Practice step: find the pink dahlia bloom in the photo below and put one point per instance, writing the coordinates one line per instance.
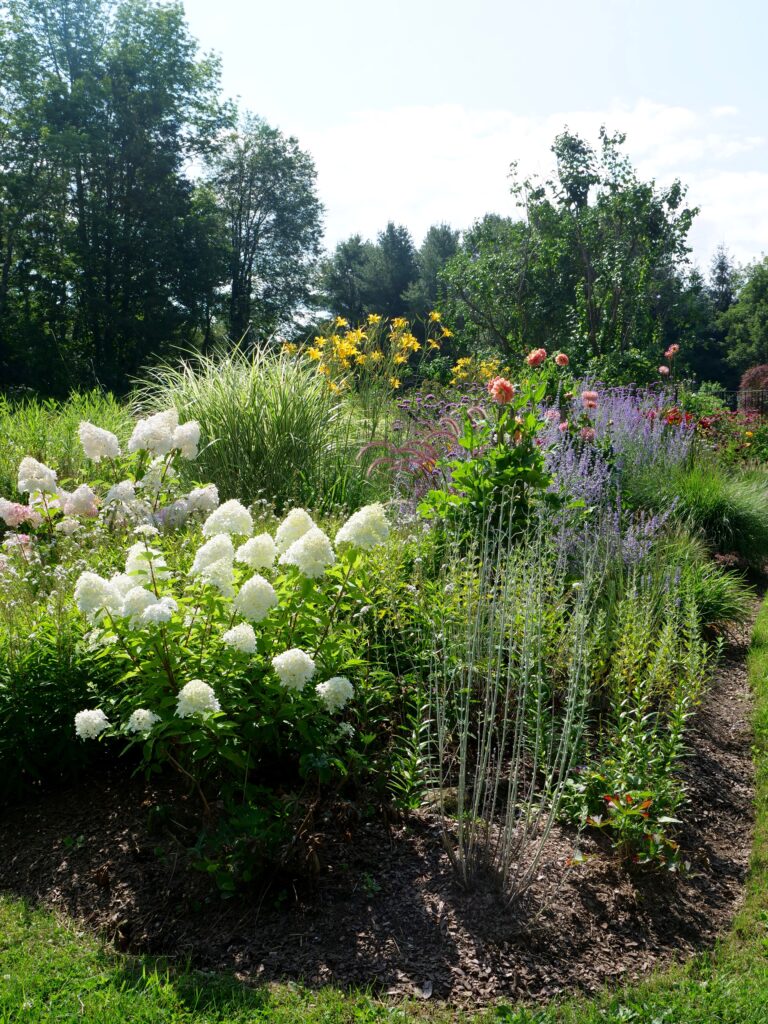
(562, 359)
(587, 434)
(536, 357)
(501, 390)
(664, 371)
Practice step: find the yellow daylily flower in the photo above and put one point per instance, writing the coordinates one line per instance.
(341, 322)
(434, 316)
(394, 383)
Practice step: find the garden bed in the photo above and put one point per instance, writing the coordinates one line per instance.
(385, 910)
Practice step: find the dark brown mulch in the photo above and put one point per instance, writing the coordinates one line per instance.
(386, 910)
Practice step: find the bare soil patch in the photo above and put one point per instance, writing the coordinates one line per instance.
(385, 910)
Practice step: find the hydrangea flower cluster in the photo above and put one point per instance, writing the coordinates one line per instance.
(161, 434)
(365, 529)
(294, 668)
(98, 443)
(223, 599)
(196, 698)
(335, 693)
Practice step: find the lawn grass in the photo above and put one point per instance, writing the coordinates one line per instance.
(51, 972)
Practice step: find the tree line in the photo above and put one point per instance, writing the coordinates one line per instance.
(141, 212)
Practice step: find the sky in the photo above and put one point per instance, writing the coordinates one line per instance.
(413, 110)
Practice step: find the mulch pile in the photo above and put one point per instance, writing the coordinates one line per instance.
(386, 911)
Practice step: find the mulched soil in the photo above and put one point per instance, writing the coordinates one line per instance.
(385, 910)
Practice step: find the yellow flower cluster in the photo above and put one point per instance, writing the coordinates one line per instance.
(471, 370)
(379, 351)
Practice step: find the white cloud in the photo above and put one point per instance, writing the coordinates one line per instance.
(424, 164)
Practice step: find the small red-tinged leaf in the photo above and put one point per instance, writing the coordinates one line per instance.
(629, 798)
(644, 804)
(645, 814)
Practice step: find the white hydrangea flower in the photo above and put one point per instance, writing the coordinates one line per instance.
(146, 530)
(295, 525)
(186, 438)
(123, 492)
(231, 517)
(335, 692)
(241, 637)
(97, 443)
(94, 594)
(155, 433)
(122, 583)
(294, 668)
(142, 720)
(366, 529)
(218, 547)
(258, 552)
(203, 499)
(136, 602)
(161, 611)
(67, 527)
(256, 599)
(36, 476)
(89, 724)
(81, 502)
(312, 553)
(196, 698)
(221, 575)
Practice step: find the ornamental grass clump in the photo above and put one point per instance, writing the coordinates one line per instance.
(509, 678)
(271, 426)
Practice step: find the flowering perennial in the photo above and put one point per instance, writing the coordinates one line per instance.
(256, 599)
(218, 547)
(231, 517)
(258, 552)
(203, 499)
(142, 721)
(81, 502)
(98, 443)
(155, 433)
(89, 724)
(312, 553)
(35, 476)
(365, 529)
(241, 638)
(294, 668)
(196, 698)
(335, 693)
(295, 525)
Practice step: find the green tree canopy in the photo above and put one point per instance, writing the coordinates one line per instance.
(745, 322)
(267, 192)
(583, 270)
(104, 106)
